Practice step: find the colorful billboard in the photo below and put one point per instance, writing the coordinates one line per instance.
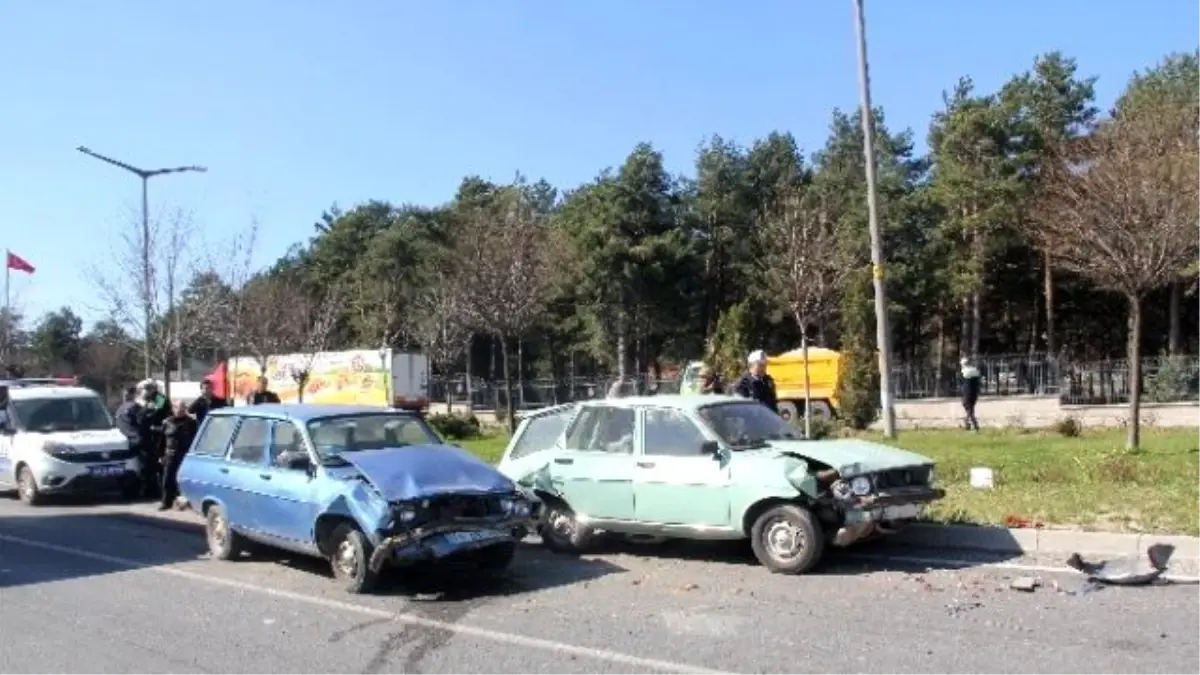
(346, 377)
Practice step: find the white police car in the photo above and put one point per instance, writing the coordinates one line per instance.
(61, 439)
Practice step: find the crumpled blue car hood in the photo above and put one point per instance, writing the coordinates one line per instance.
(418, 471)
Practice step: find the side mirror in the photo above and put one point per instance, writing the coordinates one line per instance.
(712, 448)
(298, 462)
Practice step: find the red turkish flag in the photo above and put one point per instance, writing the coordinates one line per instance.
(16, 262)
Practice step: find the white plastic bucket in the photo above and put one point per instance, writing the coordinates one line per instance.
(982, 478)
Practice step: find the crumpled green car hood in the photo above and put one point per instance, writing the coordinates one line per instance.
(853, 457)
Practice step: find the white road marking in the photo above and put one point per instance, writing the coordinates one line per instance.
(1021, 567)
(635, 663)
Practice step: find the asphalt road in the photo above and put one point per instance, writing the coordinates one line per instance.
(109, 588)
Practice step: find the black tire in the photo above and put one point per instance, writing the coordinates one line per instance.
(560, 531)
(821, 410)
(787, 539)
(789, 412)
(351, 559)
(27, 489)
(223, 542)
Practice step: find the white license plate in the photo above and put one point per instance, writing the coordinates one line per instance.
(468, 537)
(903, 512)
(107, 470)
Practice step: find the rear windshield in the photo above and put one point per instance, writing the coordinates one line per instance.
(78, 413)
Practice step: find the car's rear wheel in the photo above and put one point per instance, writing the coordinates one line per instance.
(223, 542)
(351, 559)
(561, 531)
(27, 488)
(787, 539)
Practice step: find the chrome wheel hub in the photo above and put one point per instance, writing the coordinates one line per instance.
(218, 532)
(562, 524)
(783, 539)
(346, 558)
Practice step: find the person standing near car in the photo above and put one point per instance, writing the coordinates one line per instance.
(129, 421)
(155, 410)
(710, 382)
(756, 384)
(207, 402)
(972, 381)
(178, 432)
(262, 394)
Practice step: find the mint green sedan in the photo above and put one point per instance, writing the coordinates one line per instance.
(710, 467)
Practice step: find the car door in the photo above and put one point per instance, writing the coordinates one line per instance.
(674, 483)
(247, 475)
(594, 469)
(204, 473)
(287, 509)
(531, 449)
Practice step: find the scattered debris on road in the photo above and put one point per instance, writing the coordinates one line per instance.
(959, 607)
(1130, 571)
(1026, 584)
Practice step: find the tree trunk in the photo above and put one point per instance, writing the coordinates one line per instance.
(521, 372)
(964, 333)
(976, 324)
(807, 383)
(509, 412)
(1174, 336)
(1048, 290)
(1134, 431)
(470, 364)
(622, 348)
(939, 358)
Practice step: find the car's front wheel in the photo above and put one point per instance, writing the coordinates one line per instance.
(351, 559)
(27, 488)
(562, 532)
(787, 539)
(223, 542)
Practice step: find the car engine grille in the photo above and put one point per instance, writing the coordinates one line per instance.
(901, 478)
(451, 507)
(95, 456)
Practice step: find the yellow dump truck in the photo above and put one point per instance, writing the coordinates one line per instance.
(787, 369)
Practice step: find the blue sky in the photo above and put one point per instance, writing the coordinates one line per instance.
(294, 105)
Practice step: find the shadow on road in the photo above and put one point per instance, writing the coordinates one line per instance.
(45, 561)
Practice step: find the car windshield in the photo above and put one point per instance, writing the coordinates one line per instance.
(745, 425)
(334, 436)
(77, 413)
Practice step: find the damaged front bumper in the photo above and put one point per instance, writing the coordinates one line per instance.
(462, 538)
(882, 512)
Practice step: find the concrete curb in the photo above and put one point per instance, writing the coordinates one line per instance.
(1022, 541)
(1016, 541)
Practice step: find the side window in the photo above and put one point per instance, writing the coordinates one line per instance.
(603, 429)
(250, 440)
(215, 439)
(670, 433)
(285, 441)
(540, 433)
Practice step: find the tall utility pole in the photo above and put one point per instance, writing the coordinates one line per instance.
(147, 300)
(883, 332)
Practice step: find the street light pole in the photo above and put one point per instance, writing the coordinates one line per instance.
(145, 175)
(883, 333)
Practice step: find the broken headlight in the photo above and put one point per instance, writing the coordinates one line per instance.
(860, 485)
(515, 506)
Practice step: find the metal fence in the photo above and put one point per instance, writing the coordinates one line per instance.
(1164, 380)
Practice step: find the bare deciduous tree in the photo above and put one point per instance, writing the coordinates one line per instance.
(317, 319)
(802, 267)
(508, 257)
(128, 288)
(437, 321)
(106, 361)
(271, 317)
(232, 263)
(1126, 216)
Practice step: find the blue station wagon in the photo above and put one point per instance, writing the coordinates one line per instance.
(367, 488)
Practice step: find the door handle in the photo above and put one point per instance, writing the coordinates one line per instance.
(645, 465)
(564, 461)
(265, 476)
(223, 470)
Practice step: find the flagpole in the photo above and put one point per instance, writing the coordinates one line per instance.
(8, 322)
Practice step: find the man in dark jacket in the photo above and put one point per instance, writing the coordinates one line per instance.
(263, 394)
(155, 410)
(970, 393)
(129, 420)
(178, 432)
(756, 383)
(207, 402)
